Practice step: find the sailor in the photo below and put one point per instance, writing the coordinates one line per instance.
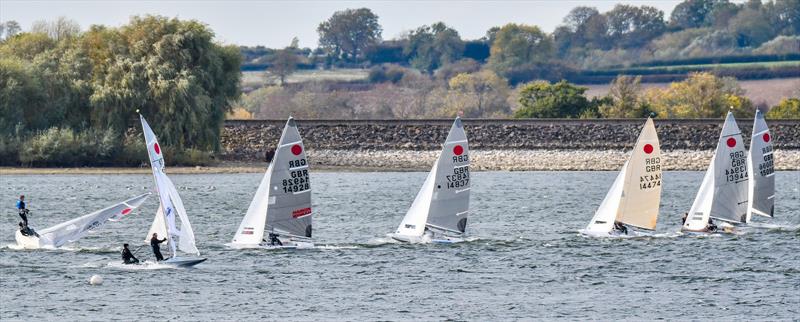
(127, 256)
(683, 219)
(273, 240)
(154, 243)
(27, 231)
(23, 212)
(711, 227)
(618, 226)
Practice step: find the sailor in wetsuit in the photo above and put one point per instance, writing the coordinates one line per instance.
(683, 219)
(27, 231)
(711, 227)
(127, 256)
(154, 243)
(273, 240)
(23, 212)
(618, 226)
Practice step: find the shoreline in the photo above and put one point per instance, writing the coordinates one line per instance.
(401, 160)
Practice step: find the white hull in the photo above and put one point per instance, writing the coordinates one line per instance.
(632, 232)
(290, 244)
(424, 239)
(27, 242)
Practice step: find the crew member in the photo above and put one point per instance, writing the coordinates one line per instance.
(127, 256)
(711, 227)
(23, 212)
(618, 226)
(154, 243)
(683, 219)
(273, 240)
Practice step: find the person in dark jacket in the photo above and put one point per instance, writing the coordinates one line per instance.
(154, 243)
(127, 256)
(23, 211)
(618, 226)
(273, 240)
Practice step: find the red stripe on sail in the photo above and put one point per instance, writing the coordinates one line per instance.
(301, 212)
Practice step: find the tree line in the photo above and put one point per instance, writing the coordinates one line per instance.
(71, 97)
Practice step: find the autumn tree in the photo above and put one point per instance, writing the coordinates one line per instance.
(347, 34)
(480, 94)
(702, 95)
(788, 108)
(625, 99)
(431, 47)
(284, 62)
(519, 46)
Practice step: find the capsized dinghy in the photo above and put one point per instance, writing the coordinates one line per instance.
(74, 229)
(723, 193)
(282, 203)
(439, 212)
(171, 204)
(760, 171)
(635, 196)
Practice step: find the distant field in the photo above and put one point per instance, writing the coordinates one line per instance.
(769, 91)
(257, 79)
(791, 63)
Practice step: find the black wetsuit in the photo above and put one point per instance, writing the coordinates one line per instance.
(23, 212)
(154, 243)
(273, 240)
(128, 258)
(621, 228)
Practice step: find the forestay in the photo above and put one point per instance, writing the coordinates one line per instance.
(635, 196)
(171, 203)
(74, 229)
(723, 193)
(760, 170)
(443, 201)
(282, 203)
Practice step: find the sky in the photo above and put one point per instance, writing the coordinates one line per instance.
(273, 23)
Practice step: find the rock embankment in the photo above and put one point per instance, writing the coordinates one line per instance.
(499, 144)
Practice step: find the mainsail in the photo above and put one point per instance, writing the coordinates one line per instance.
(171, 203)
(635, 196)
(760, 171)
(282, 202)
(74, 229)
(723, 193)
(443, 201)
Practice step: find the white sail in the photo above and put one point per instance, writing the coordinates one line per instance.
(635, 196)
(606, 214)
(282, 203)
(641, 195)
(723, 193)
(171, 203)
(760, 170)
(443, 201)
(74, 229)
(158, 226)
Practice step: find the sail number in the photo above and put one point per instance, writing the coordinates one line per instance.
(766, 167)
(649, 181)
(459, 178)
(298, 181)
(297, 163)
(738, 169)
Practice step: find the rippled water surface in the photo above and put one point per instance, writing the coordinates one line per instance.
(525, 259)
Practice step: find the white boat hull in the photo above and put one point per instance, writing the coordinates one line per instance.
(436, 238)
(27, 242)
(287, 244)
(183, 261)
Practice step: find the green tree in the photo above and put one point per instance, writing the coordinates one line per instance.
(478, 94)
(431, 47)
(625, 101)
(693, 13)
(752, 27)
(284, 63)
(788, 108)
(22, 102)
(701, 95)
(347, 34)
(542, 99)
(630, 26)
(519, 46)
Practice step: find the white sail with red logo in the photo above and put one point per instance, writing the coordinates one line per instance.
(635, 196)
(171, 204)
(74, 229)
(282, 203)
(723, 193)
(761, 171)
(442, 204)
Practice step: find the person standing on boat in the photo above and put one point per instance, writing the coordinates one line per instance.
(23, 211)
(127, 256)
(683, 219)
(154, 243)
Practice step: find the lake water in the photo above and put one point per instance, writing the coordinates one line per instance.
(524, 260)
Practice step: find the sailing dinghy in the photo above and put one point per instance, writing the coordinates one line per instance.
(439, 212)
(171, 205)
(282, 203)
(74, 229)
(634, 198)
(760, 171)
(723, 193)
